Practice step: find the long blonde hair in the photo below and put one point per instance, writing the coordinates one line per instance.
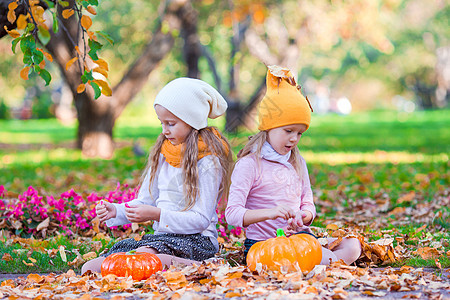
(189, 162)
(258, 140)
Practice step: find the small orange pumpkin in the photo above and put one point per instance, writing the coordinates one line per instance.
(140, 265)
(282, 253)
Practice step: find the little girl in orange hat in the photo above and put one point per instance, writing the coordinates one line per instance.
(270, 186)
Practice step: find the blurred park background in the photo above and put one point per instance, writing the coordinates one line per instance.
(376, 72)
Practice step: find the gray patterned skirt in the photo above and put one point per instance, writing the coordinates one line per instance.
(191, 246)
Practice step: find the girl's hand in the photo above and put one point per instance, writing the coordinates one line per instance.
(281, 211)
(142, 213)
(297, 223)
(105, 210)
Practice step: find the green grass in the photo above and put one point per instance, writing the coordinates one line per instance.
(45, 255)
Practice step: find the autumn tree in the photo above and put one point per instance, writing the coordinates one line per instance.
(96, 112)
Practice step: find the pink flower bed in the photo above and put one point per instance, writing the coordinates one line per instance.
(69, 213)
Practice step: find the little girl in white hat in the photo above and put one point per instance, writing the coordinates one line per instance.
(186, 174)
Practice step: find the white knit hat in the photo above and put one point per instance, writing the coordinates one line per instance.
(192, 100)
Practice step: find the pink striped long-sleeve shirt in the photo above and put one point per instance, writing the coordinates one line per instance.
(266, 185)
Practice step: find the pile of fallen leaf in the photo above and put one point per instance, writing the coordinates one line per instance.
(217, 279)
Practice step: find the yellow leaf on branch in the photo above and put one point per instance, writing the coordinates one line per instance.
(70, 62)
(12, 33)
(86, 22)
(81, 88)
(22, 22)
(101, 71)
(24, 73)
(92, 36)
(67, 13)
(38, 14)
(11, 12)
(48, 56)
(91, 9)
(106, 90)
(102, 64)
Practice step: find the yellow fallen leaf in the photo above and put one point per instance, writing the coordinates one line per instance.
(62, 253)
(427, 252)
(43, 224)
(27, 264)
(7, 257)
(32, 260)
(332, 227)
(34, 278)
(52, 252)
(438, 264)
(407, 197)
(89, 255)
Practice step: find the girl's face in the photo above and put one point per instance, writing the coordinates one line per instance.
(173, 128)
(283, 139)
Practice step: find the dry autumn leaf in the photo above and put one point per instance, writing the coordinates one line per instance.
(91, 9)
(62, 253)
(332, 227)
(101, 71)
(43, 224)
(102, 64)
(67, 13)
(86, 22)
(70, 62)
(12, 33)
(7, 257)
(427, 252)
(81, 89)
(89, 255)
(22, 22)
(27, 263)
(11, 16)
(24, 73)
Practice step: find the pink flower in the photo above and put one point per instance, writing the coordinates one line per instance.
(2, 191)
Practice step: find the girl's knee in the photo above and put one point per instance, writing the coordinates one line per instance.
(94, 265)
(327, 256)
(353, 247)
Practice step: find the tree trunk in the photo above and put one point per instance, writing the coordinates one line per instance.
(191, 49)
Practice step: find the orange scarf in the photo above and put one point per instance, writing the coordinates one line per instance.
(173, 154)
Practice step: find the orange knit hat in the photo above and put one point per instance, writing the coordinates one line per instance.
(283, 103)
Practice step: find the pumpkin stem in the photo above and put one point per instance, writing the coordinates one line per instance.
(280, 232)
(131, 252)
